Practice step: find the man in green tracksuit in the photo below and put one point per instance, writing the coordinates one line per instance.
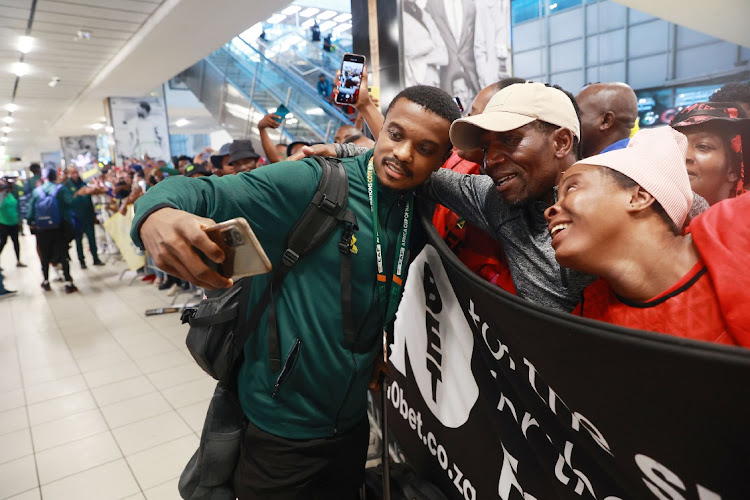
(85, 216)
(307, 434)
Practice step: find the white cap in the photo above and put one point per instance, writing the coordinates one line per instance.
(655, 159)
(515, 106)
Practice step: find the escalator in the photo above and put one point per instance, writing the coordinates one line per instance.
(239, 83)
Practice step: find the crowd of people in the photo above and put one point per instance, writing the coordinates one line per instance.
(547, 195)
(552, 197)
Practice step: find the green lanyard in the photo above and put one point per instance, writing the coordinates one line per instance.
(399, 267)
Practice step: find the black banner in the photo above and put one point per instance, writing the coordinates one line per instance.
(495, 397)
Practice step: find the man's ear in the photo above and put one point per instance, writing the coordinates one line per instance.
(640, 200)
(445, 158)
(563, 142)
(608, 119)
(732, 176)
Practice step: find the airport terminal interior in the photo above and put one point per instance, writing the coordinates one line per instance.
(100, 397)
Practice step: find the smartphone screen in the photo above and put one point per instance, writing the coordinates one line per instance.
(281, 111)
(458, 103)
(352, 67)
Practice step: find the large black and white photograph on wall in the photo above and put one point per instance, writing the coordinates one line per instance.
(460, 46)
(140, 127)
(79, 150)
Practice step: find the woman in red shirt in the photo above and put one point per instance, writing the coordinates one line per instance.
(617, 217)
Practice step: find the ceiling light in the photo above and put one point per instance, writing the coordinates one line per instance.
(292, 9)
(55, 80)
(553, 6)
(326, 15)
(327, 25)
(311, 11)
(181, 122)
(20, 68)
(276, 19)
(308, 23)
(96, 126)
(25, 44)
(315, 111)
(6, 129)
(83, 35)
(4, 139)
(8, 120)
(342, 17)
(109, 129)
(11, 107)
(342, 27)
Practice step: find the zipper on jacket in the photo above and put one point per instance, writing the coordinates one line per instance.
(346, 395)
(291, 360)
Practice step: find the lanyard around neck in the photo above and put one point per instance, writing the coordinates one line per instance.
(399, 267)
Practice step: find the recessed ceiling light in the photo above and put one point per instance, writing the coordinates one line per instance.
(327, 25)
(342, 17)
(4, 139)
(309, 12)
(96, 126)
(20, 68)
(276, 19)
(6, 129)
(109, 129)
(181, 122)
(55, 80)
(25, 44)
(11, 107)
(326, 15)
(292, 9)
(308, 23)
(8, 120)
(83, 35)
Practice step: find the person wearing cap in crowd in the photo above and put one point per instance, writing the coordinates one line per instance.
(197, 170)
(619, 216)
(52, 244)
(734, 92)
(476, 249)
(715, 157)
(527, 136)
(242, 157)
(608, 114)
(220, 160)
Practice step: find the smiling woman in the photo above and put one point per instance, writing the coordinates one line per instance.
(617, 216)
(714, 159)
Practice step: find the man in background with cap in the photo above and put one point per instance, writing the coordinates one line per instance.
(528, 136)
(608, 114)
(619, 216)
(220, 160)
(242, 157)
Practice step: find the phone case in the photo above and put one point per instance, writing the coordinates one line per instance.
(245, 257)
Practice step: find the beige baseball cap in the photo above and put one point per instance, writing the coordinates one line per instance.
(513, 107)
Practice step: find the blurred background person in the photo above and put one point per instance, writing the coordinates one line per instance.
(10, 217)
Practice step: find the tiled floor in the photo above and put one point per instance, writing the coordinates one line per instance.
(97, 400)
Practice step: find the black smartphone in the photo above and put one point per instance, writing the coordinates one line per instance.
(281, 111)
(458, 103)
(352, 66)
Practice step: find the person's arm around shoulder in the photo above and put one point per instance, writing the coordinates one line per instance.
(472, 196)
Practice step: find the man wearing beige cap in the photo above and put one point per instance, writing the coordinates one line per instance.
(529, 135)
(619, 216)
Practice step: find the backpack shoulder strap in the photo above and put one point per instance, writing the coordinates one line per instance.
(327, 209)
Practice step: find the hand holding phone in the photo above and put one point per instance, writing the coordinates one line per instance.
(352, 68)
(281, 111)
(243, 253)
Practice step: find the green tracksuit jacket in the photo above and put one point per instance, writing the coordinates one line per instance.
(325, 391)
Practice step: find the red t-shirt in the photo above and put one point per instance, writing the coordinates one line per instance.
(711, 302)
(475, 248)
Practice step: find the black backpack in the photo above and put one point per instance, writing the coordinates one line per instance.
(219, 326)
